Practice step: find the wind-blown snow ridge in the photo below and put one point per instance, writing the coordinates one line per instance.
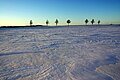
(63, 53)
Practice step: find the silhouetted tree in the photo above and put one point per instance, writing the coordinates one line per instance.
(98, 21)
(68, 21)
(47, 22)
(93, 21)
(56, 21)
(86, 21)
(31, 22)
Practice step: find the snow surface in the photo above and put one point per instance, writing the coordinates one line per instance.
(60, 53)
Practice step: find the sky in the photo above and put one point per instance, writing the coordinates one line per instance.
(20, 12)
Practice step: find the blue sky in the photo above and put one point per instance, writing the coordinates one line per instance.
(19, 12)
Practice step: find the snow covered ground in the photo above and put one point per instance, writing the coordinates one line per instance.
(60, 53)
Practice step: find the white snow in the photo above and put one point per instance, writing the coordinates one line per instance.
(60, 53)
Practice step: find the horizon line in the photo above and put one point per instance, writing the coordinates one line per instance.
(58, 25)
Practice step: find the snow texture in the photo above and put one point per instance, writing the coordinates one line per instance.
(60, 53)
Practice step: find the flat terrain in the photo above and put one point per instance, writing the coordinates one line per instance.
(60, 53)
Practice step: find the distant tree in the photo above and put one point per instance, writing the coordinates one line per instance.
(56, 21)
(93, 21)
(68, 21)
(31, 22)
(98, 21)
(47, 22)
(86, 21)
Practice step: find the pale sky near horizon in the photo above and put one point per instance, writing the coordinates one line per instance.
(20, 12)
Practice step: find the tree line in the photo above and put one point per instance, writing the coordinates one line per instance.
(68, 22)
(92, 21)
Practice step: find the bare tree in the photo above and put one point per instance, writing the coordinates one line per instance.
(56, 21)
(31, 22)
(86, 21)
(93, 21)
(68, 21)
(98, 21)
(47, 22)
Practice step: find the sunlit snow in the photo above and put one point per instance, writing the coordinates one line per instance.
(60, 53)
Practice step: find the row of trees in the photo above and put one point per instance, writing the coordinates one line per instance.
(68, 22)
(92, 21)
